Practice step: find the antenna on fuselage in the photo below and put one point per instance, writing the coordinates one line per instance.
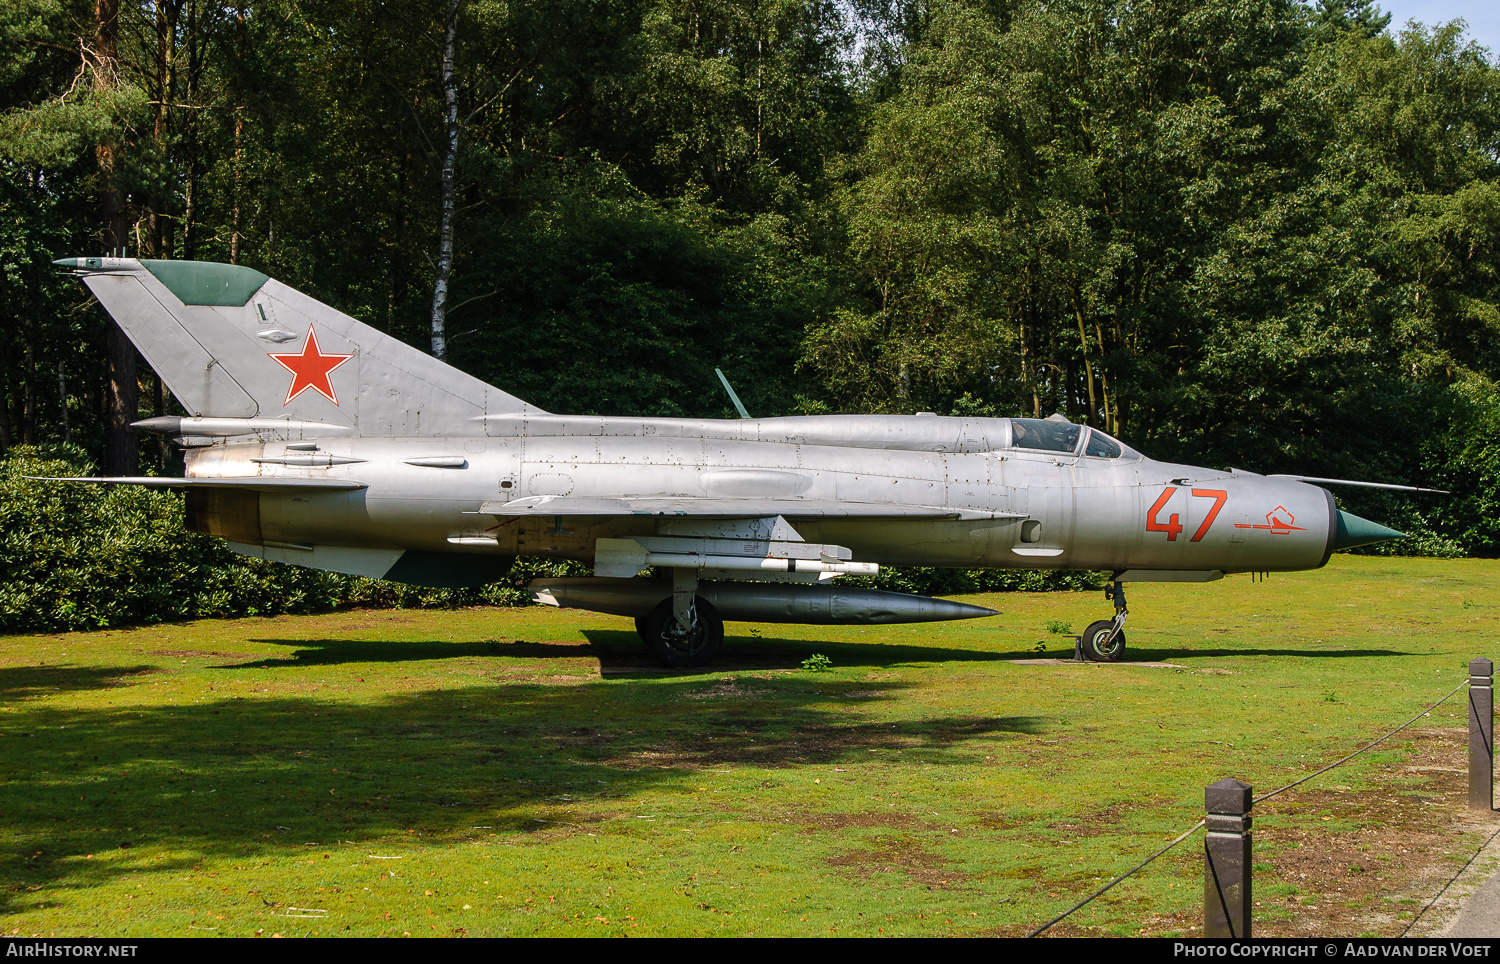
(738, 405)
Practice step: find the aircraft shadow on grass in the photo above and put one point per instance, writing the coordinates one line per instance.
(1143, 655)
(615, 650)
(622, 651)
(1162, 655)
(266, 776)
(331, 651)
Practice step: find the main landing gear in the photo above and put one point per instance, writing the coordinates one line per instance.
(1104, 641)
(684, 630)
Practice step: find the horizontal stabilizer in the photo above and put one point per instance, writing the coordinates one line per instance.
(253, 482)
(548, 505)
(225, 427)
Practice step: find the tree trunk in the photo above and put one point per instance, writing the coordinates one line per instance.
(190, 137)
(239, 162)
(450, 160)
(62, 404)
(1088, 371)
(1111, 417)
(121, 404)
(120, 455)
(152, 247)
(28, 397)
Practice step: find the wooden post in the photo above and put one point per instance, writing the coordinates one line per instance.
(1481, 734)
(1226, 860)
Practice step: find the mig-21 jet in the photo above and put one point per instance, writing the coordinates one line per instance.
(315, 440)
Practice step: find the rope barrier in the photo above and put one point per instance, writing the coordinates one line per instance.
(1364, 748)
(1185, 834)
(1199, 825)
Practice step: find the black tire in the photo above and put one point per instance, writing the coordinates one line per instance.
(640, 629)
(672, 647)
(1093, 643)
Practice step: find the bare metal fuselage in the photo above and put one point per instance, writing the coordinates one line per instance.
(1006, 507)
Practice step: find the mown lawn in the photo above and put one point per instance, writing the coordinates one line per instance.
(528, 772)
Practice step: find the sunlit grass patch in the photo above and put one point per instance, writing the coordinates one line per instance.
(531, 772)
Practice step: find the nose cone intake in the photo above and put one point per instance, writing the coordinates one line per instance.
(1354, 531)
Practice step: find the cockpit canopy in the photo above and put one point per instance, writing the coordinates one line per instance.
(939, 433)
(1046, 435)
(923, 433)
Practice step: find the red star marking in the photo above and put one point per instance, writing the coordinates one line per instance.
(310, 369)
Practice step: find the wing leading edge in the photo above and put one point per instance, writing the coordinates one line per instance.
(791, 509)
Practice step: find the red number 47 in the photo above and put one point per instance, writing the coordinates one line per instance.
(1171, 527)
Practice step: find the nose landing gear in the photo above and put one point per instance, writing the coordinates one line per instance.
(1104, 641)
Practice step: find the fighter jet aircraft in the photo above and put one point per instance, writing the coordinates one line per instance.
(315, 440)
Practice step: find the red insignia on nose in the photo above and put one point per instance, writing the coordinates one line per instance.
(310, 368)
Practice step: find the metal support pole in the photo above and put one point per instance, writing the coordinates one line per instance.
(1481, 734)
(1117, 593)
(1226, 860)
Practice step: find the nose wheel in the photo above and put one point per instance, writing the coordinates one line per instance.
(1104, 641)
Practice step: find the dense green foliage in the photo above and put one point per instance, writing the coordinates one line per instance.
(1236, 232)
(88, 557)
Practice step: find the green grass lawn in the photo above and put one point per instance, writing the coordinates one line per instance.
(528, 772)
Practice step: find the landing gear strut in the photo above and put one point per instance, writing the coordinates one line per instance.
(1104, 641)
(684, 630)
(679, 648)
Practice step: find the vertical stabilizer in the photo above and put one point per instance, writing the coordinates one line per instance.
(232, 343)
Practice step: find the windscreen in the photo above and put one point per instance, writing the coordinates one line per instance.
(1044, 435)
(1101, 446)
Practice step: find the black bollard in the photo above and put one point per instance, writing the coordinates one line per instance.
(1226, 860)
(1481, 734)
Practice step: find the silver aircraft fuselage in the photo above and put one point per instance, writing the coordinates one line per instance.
(976, 498)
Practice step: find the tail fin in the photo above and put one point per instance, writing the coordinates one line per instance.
(232, 343)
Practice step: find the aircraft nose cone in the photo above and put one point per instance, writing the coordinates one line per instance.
(1354, 531)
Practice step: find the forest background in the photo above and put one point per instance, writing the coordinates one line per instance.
(1230, 232)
